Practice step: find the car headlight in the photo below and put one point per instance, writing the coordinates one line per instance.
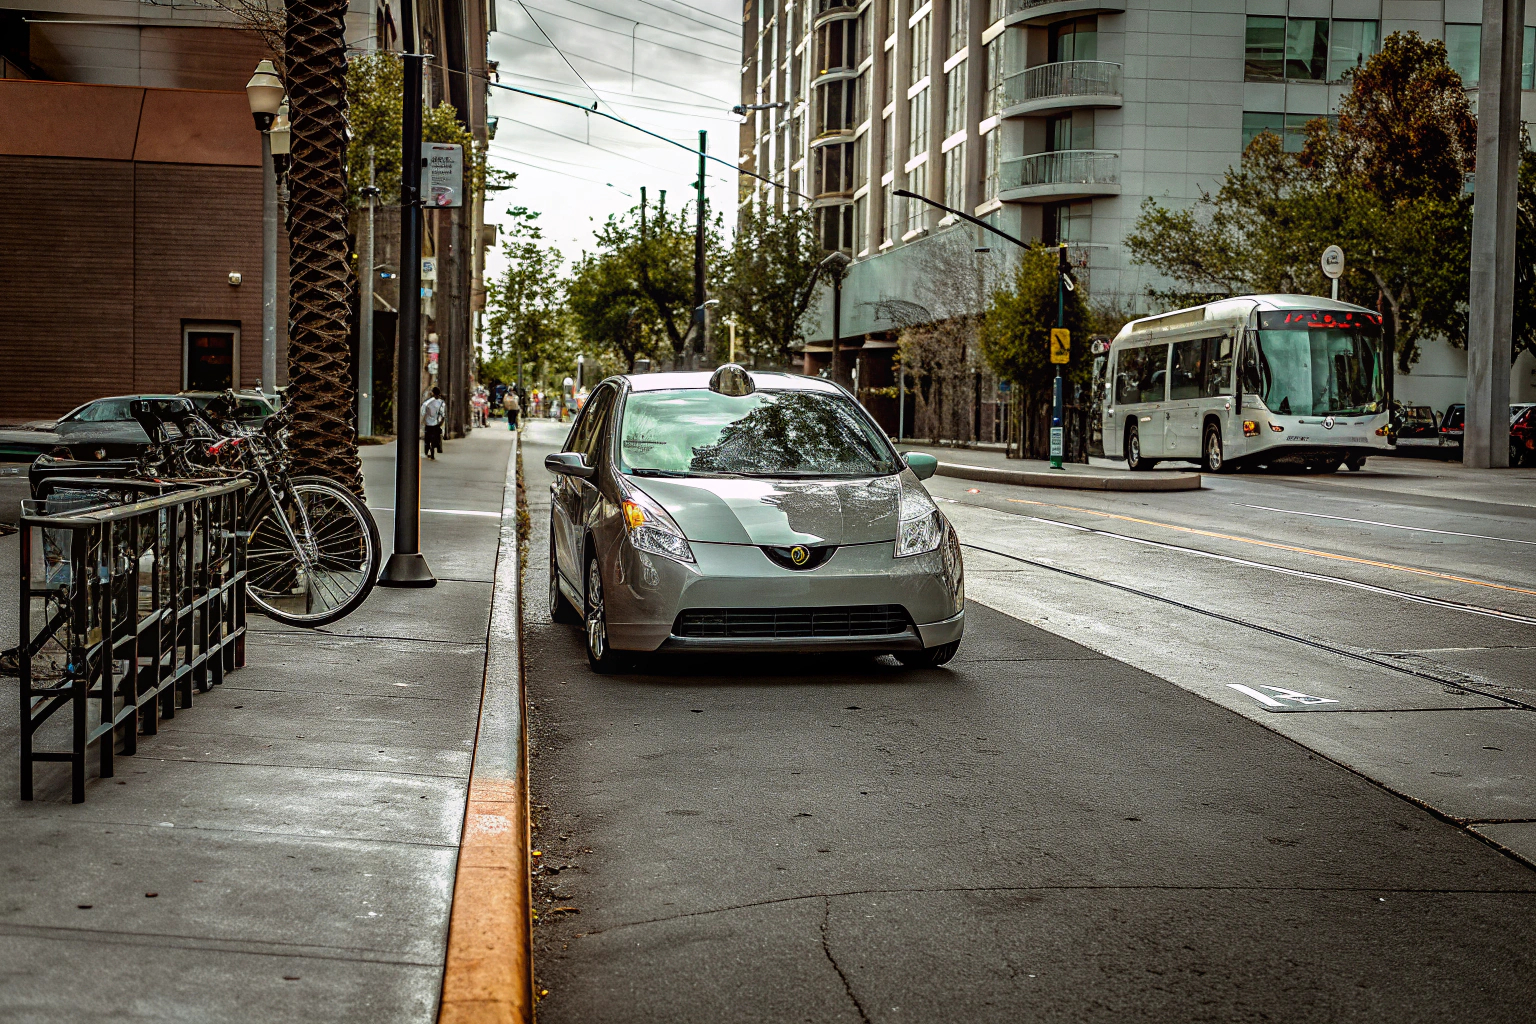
(921, 526)
(651, 529)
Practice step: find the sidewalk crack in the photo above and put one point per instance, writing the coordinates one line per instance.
(826, 947)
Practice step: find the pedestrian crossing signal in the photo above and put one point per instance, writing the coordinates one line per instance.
(1061, 344)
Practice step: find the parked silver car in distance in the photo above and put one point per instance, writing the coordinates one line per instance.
(740, 511)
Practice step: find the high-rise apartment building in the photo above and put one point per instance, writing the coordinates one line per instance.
(1052, 119)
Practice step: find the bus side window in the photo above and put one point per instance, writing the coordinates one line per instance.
(1218, 366)
(1154, 373)
(1188, 371)
(1128, 374)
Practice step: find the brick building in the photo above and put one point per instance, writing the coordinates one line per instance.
(128, 210)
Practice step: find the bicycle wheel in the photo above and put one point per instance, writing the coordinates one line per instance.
(337, 567)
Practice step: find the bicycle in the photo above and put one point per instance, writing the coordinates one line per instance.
(313, 550)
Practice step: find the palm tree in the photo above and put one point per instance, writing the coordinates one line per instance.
(320, 381)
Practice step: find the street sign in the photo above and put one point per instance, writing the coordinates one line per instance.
(1061, 344)
(442, 174)
(1333, 262)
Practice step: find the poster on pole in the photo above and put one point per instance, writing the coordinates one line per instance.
(1061, 345)
(442, 174)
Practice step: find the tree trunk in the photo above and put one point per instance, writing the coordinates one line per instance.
(320, 392)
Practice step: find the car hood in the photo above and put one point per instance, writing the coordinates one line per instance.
(780, 512)
(105, 431)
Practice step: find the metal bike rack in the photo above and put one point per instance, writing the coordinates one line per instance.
(143, 603)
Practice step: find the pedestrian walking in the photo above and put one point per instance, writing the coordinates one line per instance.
(482, 408)
(432, 419)
(513, 407)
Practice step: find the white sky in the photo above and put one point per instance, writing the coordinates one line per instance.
(576, 169)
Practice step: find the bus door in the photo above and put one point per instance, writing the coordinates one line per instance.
(1141, 382)
(1187, 391)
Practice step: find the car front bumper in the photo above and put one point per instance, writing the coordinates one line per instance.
(646, 594)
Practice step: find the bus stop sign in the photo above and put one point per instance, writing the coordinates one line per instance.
(1061, 344)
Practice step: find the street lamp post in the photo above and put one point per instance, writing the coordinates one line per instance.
(265, 93)
(406, 566)
(366, 276)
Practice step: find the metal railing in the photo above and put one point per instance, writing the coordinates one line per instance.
(1062, 80)
(1087, 167)
(127, 606)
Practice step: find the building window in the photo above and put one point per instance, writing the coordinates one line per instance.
(837, 45)
(834, 227)
(887, 144)
(954, 178)
(995, 75)
(1075, 40)
(835, 107)
(860, 161)
(890, 81)
(1069, 131)
(887, 211)
(992, 162)
(1463, 51)
(832, 169)
(1257, 122)
(210, 356)
(1290, 128)
(1067, 222)
(1306, 49)
(1350, 44)
(1264, 53)
(856, 242)
(921, 50)
(860, 100)
(890, 18)
(918, 109)
(995, 11)
(917, 182)
(954, 100)
(959, 25)
(1527, 67)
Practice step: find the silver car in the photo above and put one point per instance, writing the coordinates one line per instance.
(747, 512)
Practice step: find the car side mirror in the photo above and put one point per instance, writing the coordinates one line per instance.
(569, 464)
(922, 465)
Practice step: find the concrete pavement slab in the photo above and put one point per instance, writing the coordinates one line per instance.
(281, 836)
(1519, 837)
(453, 545)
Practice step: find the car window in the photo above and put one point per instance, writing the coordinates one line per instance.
(766, 433)
(108, 410)
(589, 428)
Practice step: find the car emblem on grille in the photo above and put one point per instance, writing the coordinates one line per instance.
(1327, 422)
(799, 554)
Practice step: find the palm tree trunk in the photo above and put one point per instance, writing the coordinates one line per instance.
(320, 379)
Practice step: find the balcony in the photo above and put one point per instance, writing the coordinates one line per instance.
(1064, 174)
(1053, 88)
(1043, 12)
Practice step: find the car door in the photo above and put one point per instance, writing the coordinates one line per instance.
(570, 496)
(1181, 414)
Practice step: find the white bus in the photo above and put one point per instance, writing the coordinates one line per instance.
(1315, 386)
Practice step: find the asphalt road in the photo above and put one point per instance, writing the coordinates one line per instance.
(1038, 831)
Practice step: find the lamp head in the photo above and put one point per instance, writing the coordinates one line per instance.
(280, 131)
(265, 93)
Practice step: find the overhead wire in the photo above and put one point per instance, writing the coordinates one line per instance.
(631, 103)
(636, 22)
(597, 99)
(596, 60)
(691, 7)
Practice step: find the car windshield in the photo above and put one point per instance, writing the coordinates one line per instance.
(766, 433)
(107, 410)
(1316, 371)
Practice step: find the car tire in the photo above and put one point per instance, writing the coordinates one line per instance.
(1355, 463)
(929, 657)
(600, 656)
(560, 609)
(1514, 455)
(1213, 457)
(1133, 457)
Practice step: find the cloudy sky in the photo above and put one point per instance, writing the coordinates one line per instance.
(671, 66)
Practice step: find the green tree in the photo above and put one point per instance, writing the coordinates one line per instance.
(1016, 331)
(1387, 185)
(524, 305)
(768, 284)
(608, 311)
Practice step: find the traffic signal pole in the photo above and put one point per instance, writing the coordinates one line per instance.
(1063, 271)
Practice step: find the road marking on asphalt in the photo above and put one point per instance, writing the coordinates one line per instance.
(445, 511)
(1393, 526)
(1281, 547)
(1280, 692)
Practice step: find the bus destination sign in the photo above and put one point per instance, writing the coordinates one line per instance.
(1317, 319)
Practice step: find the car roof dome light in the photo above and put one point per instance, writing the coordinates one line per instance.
(732, 380)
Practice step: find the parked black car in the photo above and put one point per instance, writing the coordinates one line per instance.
(1417, 427)
(103, 429)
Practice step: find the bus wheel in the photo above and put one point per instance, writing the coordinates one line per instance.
(1133, 459)
(1214, 459)
(1355, 463)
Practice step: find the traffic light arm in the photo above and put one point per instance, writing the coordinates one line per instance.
(963, 216)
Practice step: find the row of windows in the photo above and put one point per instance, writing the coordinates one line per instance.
(1464, 52)
(1201, 368)
(1292, 128)
(1306, 49)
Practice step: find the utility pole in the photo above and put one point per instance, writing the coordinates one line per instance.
(1058, 432)
(406, 566)
(700, 316)
(366, 276)
(1492, 304)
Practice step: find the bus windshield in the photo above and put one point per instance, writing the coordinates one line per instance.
(1317, 371)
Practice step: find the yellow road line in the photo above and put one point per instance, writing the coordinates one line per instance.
(1281, 547)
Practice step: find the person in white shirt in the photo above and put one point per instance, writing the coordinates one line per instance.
(432, 412)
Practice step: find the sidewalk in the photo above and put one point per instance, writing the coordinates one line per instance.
(285, 849)
(995, 467)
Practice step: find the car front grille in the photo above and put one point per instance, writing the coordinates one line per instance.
(792, 623)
